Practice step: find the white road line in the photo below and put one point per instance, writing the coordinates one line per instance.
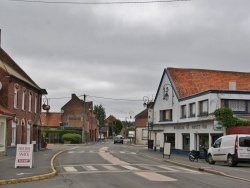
(89, 168)
(129, 167)
(110, 167)
(186, 169)
(70, 169)
(168, 168)
(71, 152)
(148, 167)
(154, 176)
(122, 151)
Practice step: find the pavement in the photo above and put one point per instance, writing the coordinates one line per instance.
(44, 165)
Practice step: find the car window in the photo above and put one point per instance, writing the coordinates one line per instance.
(217, 143)
(244, 141)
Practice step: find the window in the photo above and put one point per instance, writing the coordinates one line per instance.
(144, 134)
(183, 111)
(244, 141)
(30, 101)
(16, 88)
(192, 110)
(23, 98)
(237, 105)
(36, 100)
(165, 115)
(186, 141)
(170, 137)
(217, 143)
(28, 133)
(203, 106)
(13, 134)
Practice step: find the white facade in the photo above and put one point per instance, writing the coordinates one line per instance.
(188, 123)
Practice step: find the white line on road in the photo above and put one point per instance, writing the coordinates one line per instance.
(154, 176)
(70, 169)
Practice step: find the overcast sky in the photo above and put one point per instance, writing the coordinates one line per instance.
(119, 51)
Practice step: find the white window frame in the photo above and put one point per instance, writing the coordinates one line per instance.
(16, 88)
(192, 110)
(13, 133)
(28, 133)
(183, 111)
(36, 100)
(203, 107)
(30, 101)
(237, 105)
(23, 98)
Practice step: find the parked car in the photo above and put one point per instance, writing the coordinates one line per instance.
(118, 139)
(232, 149)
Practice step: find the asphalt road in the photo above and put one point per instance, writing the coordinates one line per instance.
(108, 165)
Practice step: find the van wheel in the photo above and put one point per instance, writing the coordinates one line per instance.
(230, 161)
(210, 159)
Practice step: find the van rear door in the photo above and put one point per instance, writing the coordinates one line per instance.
(244, 147)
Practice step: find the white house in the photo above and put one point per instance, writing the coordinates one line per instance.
(186, 100)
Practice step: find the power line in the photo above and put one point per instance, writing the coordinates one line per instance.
(97, 3)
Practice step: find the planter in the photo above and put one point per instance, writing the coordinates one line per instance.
(238, 130)
(66, 142)
(44, 145)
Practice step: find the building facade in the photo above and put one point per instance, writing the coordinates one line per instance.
(78, 114)
(21, 96)
(186, 100)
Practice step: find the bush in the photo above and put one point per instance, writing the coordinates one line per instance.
(73, 138)
(225, 116)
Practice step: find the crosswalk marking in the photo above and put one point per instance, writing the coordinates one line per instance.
(70, 169)
(167, 168)
(109, 167)
(90, 168)
(125, 168)
(101, 151)
(152, 176)
(129, 167)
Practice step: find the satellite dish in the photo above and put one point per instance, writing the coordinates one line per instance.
(1, 85)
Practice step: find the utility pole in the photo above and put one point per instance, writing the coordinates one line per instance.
(83, 118)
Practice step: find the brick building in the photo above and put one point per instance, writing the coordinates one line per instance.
(78, 114)
(21, 96)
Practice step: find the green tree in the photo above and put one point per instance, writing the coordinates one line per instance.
(100, 115)
(115, 127)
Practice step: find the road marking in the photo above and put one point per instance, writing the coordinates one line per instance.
(154, 176)
(129, 167)
(70, 169)
(90, 168)
(122, 151)
(168, 168)
(110, 167)
(186, 169)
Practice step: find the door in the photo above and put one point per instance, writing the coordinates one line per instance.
(244, 147)
(216, 150)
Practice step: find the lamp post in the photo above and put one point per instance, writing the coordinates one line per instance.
(146, 104)
(165, 93)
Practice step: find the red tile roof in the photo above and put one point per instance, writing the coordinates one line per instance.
(192, 81)
(51, 119)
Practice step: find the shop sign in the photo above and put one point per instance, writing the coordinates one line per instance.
(24, 155)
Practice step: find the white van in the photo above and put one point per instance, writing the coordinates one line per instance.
(232, 149)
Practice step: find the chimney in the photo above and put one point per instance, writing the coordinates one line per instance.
(232, 85)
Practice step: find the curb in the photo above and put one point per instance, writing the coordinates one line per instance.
(196, 168)
(35, 178)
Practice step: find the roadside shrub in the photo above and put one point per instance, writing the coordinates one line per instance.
(72, 137)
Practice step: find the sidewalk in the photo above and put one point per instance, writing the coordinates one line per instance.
(241, 172)
(44, 169)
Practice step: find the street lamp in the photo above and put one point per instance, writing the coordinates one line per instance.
(131, 114)
(165, 93)
(145, 101)
(145, 104)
